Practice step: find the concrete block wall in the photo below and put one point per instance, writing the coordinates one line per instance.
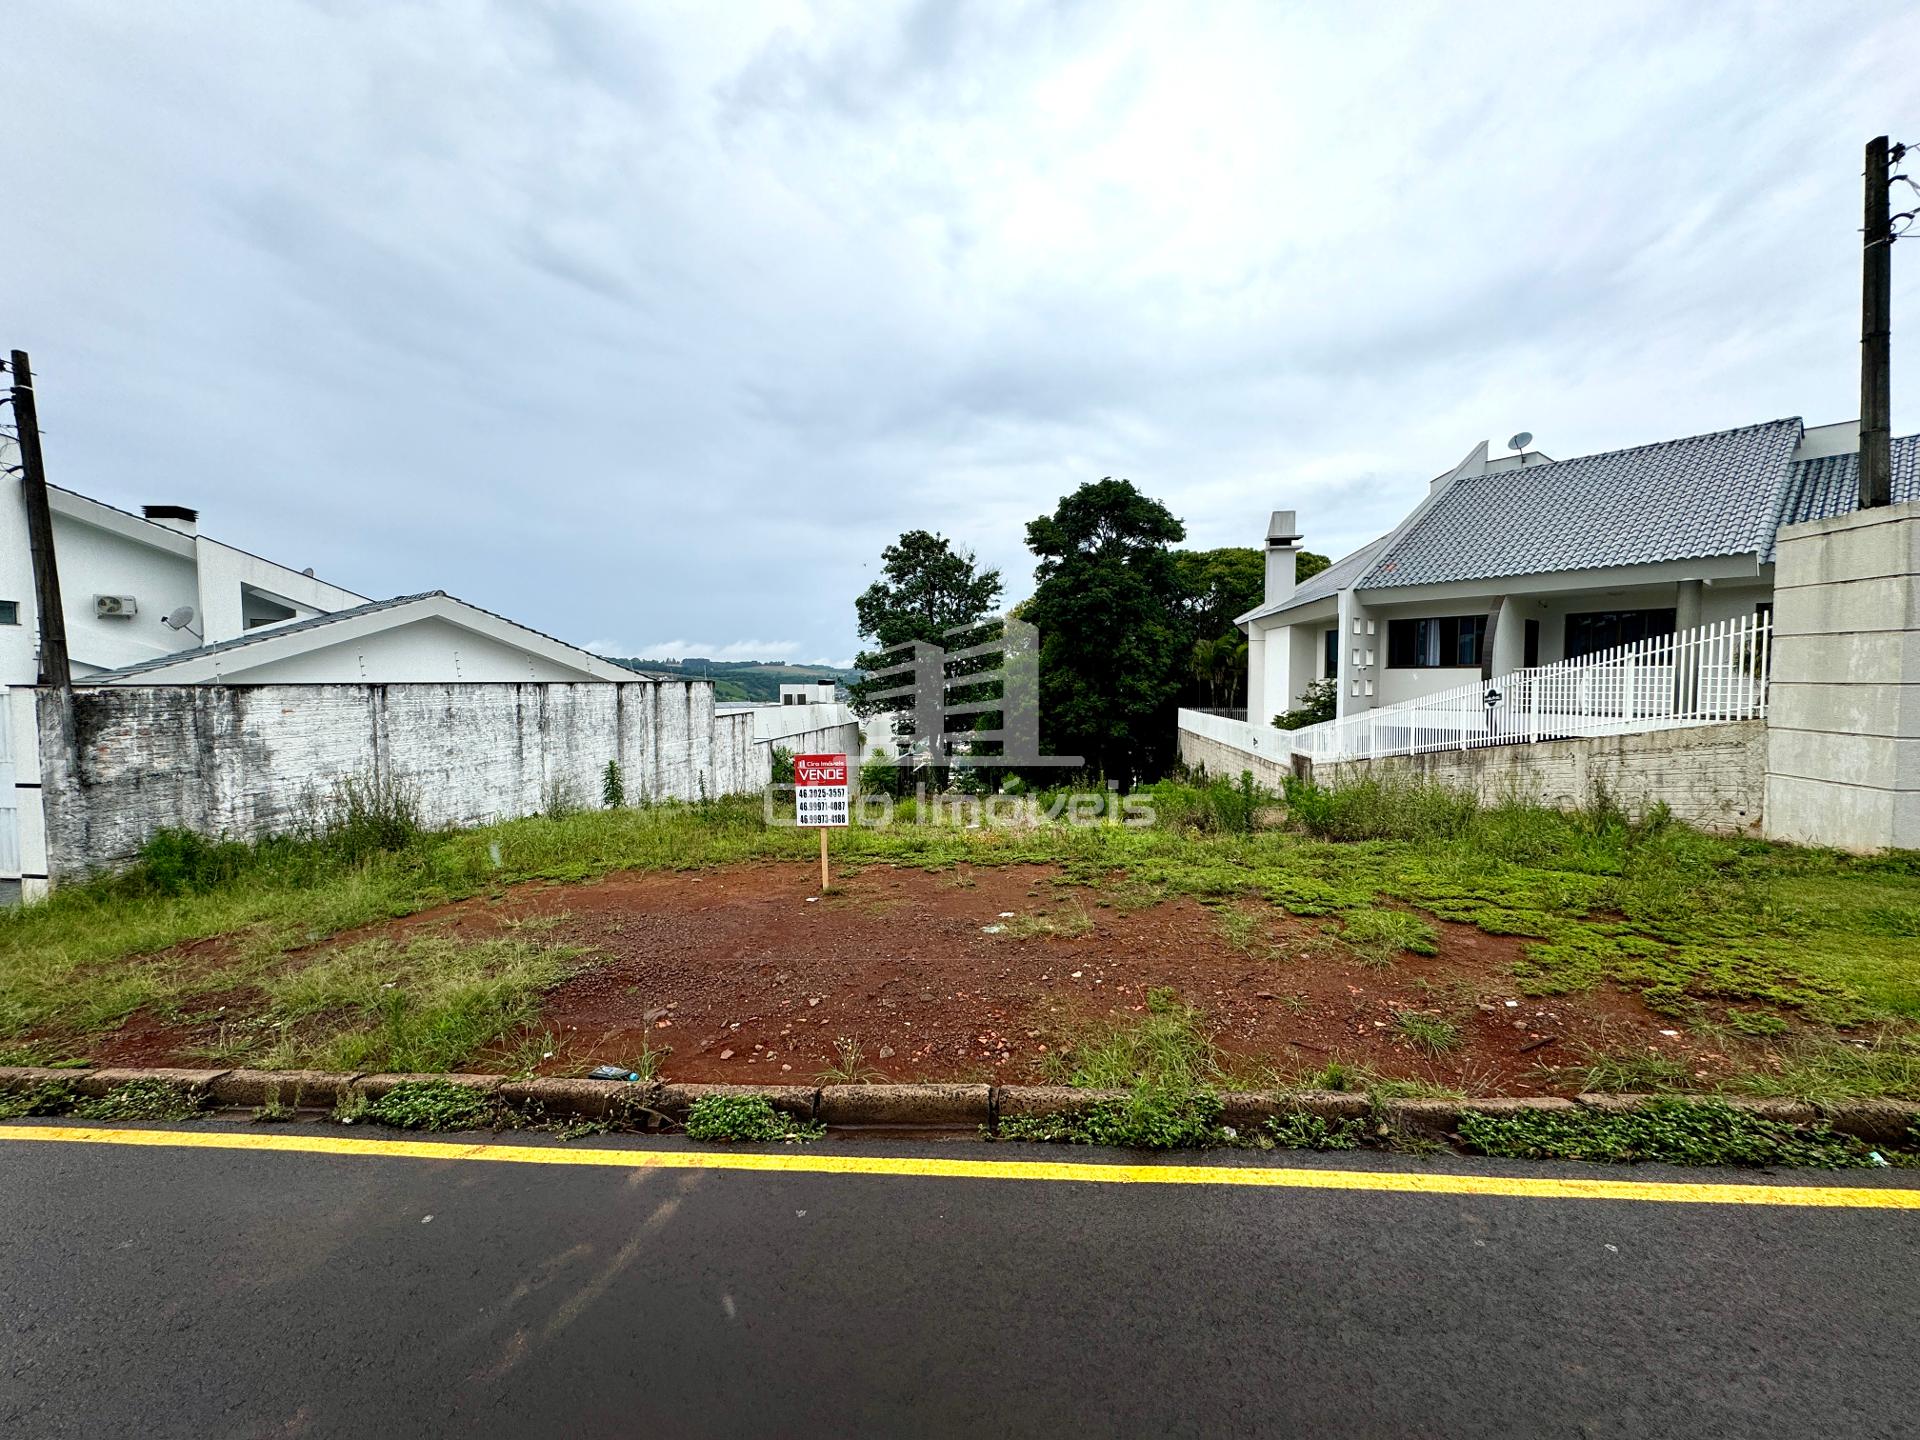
(246, 761)
(1223, 761)
(1844, 706)
(1712, 776)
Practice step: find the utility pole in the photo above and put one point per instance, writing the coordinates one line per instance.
(1876, 328)
(55, 668)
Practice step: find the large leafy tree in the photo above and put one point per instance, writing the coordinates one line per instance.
(1217, 585)
(927, 587)
(1115, 641)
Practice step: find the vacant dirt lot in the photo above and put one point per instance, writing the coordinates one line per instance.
(984, 972)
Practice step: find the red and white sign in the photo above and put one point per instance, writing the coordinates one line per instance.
(820, 789)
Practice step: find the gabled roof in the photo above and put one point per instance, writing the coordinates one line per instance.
(1330, 581)
(1831, 485)
(300, 636)
(1694, 498)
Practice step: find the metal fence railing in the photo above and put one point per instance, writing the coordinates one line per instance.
(1703, 676)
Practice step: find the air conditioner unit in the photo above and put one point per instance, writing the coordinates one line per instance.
(117, 605)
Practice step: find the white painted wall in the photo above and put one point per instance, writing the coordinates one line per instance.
(427, 648)
(103, 551)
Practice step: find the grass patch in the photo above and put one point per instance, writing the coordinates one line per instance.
(745, 1118)
(1676, 1132)
(1770, 933)
(1377, 935)
(1166, 1063)
(1167, 1048)
(1069, 922)
(1433, 1035)
(420, 1006)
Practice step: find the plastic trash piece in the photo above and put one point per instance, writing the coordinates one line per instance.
(1874, 1157)
(611, 1072)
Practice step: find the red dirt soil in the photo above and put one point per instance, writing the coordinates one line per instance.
(751, 977)
(980, 973)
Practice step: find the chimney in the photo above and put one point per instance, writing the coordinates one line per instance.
(174, 517)
(1283, 547)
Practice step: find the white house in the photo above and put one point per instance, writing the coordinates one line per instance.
(150, 600)
(1522, 560)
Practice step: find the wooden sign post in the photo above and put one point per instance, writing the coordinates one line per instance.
(820, 794)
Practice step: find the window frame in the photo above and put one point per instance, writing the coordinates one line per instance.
(1457, 642)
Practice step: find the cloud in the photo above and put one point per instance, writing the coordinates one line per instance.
(625, 319)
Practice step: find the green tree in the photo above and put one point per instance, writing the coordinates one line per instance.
(1216, 586)
(1114, 639)
(927, 587)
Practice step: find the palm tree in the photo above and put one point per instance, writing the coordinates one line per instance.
(1206, 666)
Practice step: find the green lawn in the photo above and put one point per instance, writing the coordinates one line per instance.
(1681, 917)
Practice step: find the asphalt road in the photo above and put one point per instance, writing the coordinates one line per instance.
(160, 1291)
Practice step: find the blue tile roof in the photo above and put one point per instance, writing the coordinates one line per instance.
(1831, 485)
(1687, 499)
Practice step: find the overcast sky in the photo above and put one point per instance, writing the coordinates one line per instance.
(649, 325)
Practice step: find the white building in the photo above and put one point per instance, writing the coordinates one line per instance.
(1523, 560)
(813, 692)
(150, 600)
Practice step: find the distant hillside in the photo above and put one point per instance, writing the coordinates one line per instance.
(742, 679)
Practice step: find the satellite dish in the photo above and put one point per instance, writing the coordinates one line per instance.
(1521, 441)
(179, 619)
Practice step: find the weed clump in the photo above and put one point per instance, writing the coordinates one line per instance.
(428, 1105)
(1149, 1118)
(49, 1097)
(1304, 1131)
(140, 1100)
(745, 1118)
(1677, 1132)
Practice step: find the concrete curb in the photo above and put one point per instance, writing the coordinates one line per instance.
(933, 1107)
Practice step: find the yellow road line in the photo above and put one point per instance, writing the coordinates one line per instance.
(1425, 1182)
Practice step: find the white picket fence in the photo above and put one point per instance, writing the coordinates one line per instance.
(1703, 676)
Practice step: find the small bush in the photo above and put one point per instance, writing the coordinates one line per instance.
(613, 786)
(368, 814)
(745, 1117)
(878, 775)
(782, 765)
(1317, 704)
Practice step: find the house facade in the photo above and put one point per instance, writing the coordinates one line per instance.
(1523, 560)
(150, 600)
